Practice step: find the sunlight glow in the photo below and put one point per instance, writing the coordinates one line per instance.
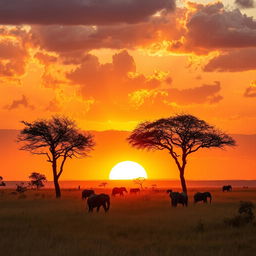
(127, 170)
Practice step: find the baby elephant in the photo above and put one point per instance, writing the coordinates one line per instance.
(198, 197)
(178, 198)
(96, 201)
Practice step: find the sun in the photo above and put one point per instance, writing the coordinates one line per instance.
(127, 170)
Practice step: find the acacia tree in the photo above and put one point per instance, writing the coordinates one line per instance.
(103, 184)
(58, 139)
(37, 180)
(180, 135)
(139, 181)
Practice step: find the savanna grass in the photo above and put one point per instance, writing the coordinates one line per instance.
(138, 225)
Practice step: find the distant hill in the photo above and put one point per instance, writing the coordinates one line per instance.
(111, 147)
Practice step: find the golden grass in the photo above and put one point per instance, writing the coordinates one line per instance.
(135, 225)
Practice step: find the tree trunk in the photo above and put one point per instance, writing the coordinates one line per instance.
(57, 188)
(56, 179)
(183, 182)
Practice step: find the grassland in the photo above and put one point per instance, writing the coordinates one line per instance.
(38, 224)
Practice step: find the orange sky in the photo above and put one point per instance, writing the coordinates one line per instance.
(112, 65)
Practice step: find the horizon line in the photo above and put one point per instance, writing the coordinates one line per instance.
(148, 180)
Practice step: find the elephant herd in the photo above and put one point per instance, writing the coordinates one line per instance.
(182, 198)
(98, 200)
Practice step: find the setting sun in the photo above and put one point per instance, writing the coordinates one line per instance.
(127, 170)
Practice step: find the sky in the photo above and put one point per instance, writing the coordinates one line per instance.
(111, 64)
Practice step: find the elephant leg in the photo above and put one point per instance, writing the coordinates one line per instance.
(105, 207)
(98, 208)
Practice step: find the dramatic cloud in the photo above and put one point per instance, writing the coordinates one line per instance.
(73, 38)
(245, 3)
(112, 81)
(233, 61)
(80, 12)
(13, 52)
(207, 93)
(197, 28)
(214, 27)
(211, 27)
(18, 103)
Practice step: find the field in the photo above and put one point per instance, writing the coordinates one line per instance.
(38, 224)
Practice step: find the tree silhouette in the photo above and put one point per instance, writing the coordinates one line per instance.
(37, 180)
(58, 139)
(139, 181)
(180, 135)
(103, 184)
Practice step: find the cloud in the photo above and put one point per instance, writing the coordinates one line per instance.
(80, 12)
(212, 27)
(250, 92)
(196, 28)
(45, 58)
(13, 52)
(112, 81)
(245, 3)
(53, 106)
(207, 93)
(18, 103)
(130, 36)
(233, 61)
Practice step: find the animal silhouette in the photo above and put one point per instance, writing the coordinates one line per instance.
(134, 190)
(96, 201)
(118, 191)
(227, 188)
(178, 198)
(86, 193)
(198, 197)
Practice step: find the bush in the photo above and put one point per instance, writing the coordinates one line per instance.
(246, 211)
(245, 215)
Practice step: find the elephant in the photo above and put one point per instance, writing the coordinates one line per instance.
(178, 198)
(96, 201)
(86, 193)
(118, 191)
(202, 197)
(134, 190)
(227, 188)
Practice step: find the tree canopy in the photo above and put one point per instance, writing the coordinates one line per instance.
(181, 135)
(58, 139)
